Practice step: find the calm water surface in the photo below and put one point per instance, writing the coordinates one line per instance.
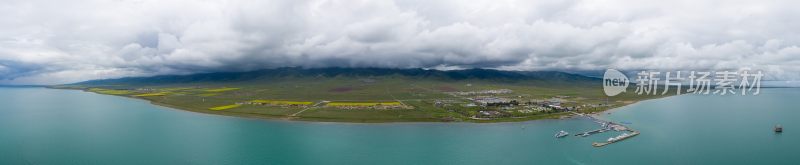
(50, 126)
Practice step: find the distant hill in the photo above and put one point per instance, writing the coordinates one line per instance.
(282, 73)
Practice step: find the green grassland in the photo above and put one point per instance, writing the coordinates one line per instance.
(109, 91)
(321, 98)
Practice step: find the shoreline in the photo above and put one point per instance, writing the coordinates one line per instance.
(555, 116)
(602, 116)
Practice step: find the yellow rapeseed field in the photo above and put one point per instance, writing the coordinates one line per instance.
(222, 89)
(224, 107)
(282, 102)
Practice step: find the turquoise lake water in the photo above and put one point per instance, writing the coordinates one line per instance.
(50, 126)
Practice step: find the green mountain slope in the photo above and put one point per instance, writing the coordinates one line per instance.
(285, 73)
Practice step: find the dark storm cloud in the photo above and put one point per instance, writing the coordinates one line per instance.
(79, 40)
(10, 70)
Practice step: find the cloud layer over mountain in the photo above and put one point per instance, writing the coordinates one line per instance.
(50, 42)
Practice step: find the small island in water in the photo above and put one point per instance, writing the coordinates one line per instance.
(373, 95)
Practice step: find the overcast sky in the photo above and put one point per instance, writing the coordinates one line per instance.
(52, 42)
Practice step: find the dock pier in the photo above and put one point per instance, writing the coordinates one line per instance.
(617, 139)
(587, 133)
(608, 126)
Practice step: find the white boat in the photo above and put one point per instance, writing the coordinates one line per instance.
(561, 134)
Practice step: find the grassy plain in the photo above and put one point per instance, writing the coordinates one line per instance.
(319, 98)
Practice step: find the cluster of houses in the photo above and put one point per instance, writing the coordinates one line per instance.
(511, 104)
(494, 101)
(494, 106)
(491, 114)
(554, 104)
(491, 101)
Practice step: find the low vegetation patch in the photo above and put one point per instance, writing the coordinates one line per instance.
(110, 91)
(222, 89)
(341, 89)
(207, 94)
(392, 103)
(152, 94)
(224, 107)
(282, 102)
(175, 89)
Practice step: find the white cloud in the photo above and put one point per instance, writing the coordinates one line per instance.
(48, 42)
